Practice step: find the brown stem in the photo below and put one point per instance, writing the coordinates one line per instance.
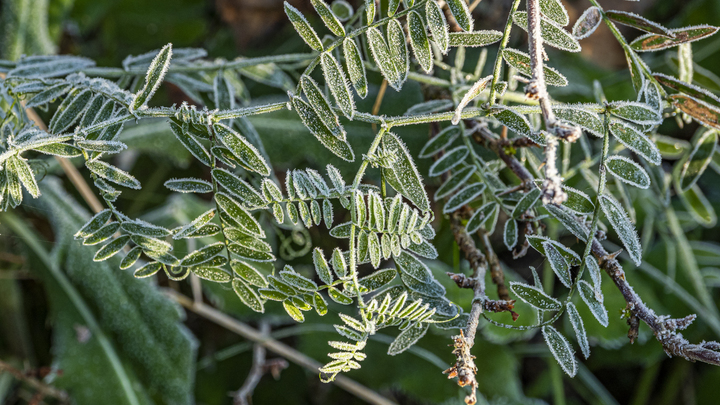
(260, 366)
(43, 389)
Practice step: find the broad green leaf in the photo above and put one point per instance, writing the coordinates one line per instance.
(475, 38)
(238, 187)
(242, 149)
(189, 185)
(454, 182)
(419, 41)
(320, 104)
(552, 34)
(338, 84)
(654, 42)
(355, 67)
(314, 124)
(448, 161)
(404, 176)
(464, 196)
(560, 349)
(112, 173)
(587, 293)
(577, 324)
(397, 45)
(191, 144)
(554, 10)
(246, 221)
(411, 335)
(431, 289)
(634, 140)
(302, 26)
(461, 13)
(438, 26)
(153, 78)
(622, 226)
(248, 296)
(526, 202)
(628, 171)
(639, 22)
(329, 18)
(441, 141)
(534, 296)
(70, 110)
(521, 62)
(559, 265)
(384, 59)
(699, 207)
(703, 112)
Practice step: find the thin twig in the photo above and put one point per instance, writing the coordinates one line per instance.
(259, 368)
(43, 389)
(378, 101)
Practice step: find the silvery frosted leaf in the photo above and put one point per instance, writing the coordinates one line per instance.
(247, 295)
(392, 7)
(687, 88)
(429, 107)
(148, 270)
(320, 304)
(369, 11)
(130, 258)
(321, 266)
(475, 38)
(112, 173)
(302, 26)
(353, 323)
(46, 67)
(404, 174)
(639, 22)
(451, 159)
(587, 23)
(441, 141)
(526, 202)
(250, 254)
(355, 67)
(419, 41)
(314, 124)
(554, 10)
(424, 249)
(438, 26)
(204, 231)
(338, 84)
(102, 234)
(398, 48)
(411, 335)
(454, 182)
(359, 210)
(223, 93)
(153, 78)
(150, 244)
(538, 242)
(239, 236)
(101, 146)
(521, 62)
(331, 21)
(59, 149)
(558, 263)
(595, 274)
(463, 197)
(242, 149)
(514, 121)
(474, 91)
(342, 10)
(484, 217)
(560, 349)
(341, 231)
(315, 212)
(248, 273)
(25, 175)
(304, 214)
(638, 113)
(534, 296)
(296, 280)
(214, 274)
(142, 228)
(703, 112)
(587, 120)
(327, 210)
(196, 224)
(384, 59)
(432, 289)
(322, 107)
(698, 206)
(94, 224)
(699, 159)
(377, 280)
(552, 34)
(577, 324)
(189, 185)
(569, 221)
(92, 110)
(411, 266)
(628, 171)
(269, 74)
(461, 13)
(70, 110)
(635, 65)
(203, 255)
(622, 226)
(246, 221)
(635, 141)
(49, 94)
(510, 234)
(238, 187)
(191, 144)
(587, 293)
(654, 42)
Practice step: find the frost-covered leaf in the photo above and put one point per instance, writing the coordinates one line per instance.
(552, 34)
(355, 67)
(247, 295)
(622, 226)
(112, 173)
(338, 84)
(411, 266)
(633, 139)
(638, 113)
(153, 78)
(475, 38)
(302, 26)
(339, 297)
(474, 91)
(239, 214)
(538, 243)
(559, 265)
(320, 104)
(370, 11)
(577, 324)
(189, 185)
(203, 254)
(454, 182)
(438, 26)
(59, 149)
(451, 159)
(248, 253)
(238, 187)
(24, 173)
(112, 248)
(94, 224)
(521, 61)
(628, 171)
(419, 41)
(554, 10)
(560, 349)
(699, 159)
(411, 335)
(639, 22)
(214, 274)
(687, 88)
(654, 42)
(587, 293)
(47, 67)
(384, 59)
(242, 149)
(705, 113)
(461, 13)
(514, 121)
(587, 23)
(329, 18)
(485, 217)
(587, 120)
(510, 234)
(526, 202)
(249, 273)
(293, 311)
(191, 144)
(140, 227)
(534, 296)
(398, 48)
(565, 216)
(698, 206)
(441, 141)
(463, 197)
(403, 176)
(49, 94)
(101, 146)
(578, 201)
(321, 266)
(148, 270)
(314, 124)
(70, 110)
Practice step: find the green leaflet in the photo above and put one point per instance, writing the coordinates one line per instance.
(384, 59)
(552, 34)
(451, 159)
(404, 176)
(94, 224)
(561, 350)
(321, 106)
(461, 13)
(440, 141)
(369, 11)
(455, 181)
(302, 26)
(247, 295)
(555, 11)
(485, 217)
(698, 206)
(239, 188)
(112, 173)
(687, 88)
(588, 295)
(398, 48)
(329, 18)
(654, 42)
(622, 226)
(569, 221)
(475, 38)
(411, 335)
(587, 23)
(223, 92)
(189, 185)
(25, 175)
(638, 113)
(213, 274)
(521, 62)
(49, 94)
(628, 171)
(60, 149)
(538, 242)
(639, 22)
(419, 41)
(314, 124)
(337, 82)
(321, 266)
(111, 248)
(438, 26)
(142, 228)
(526, 202)
(70, 110)
(510, 234)
(191, 144)
(464, 196)
(202, 255)
(635, 141)
(559, 265)
(355, 67)
(534, 296)
(699, 159)
(242, 149)
(392, 7)
(249, 273)
(587, 120)
(248, 223)
(153, 79)
(579, 328)
(515, 122)
(474, 91)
